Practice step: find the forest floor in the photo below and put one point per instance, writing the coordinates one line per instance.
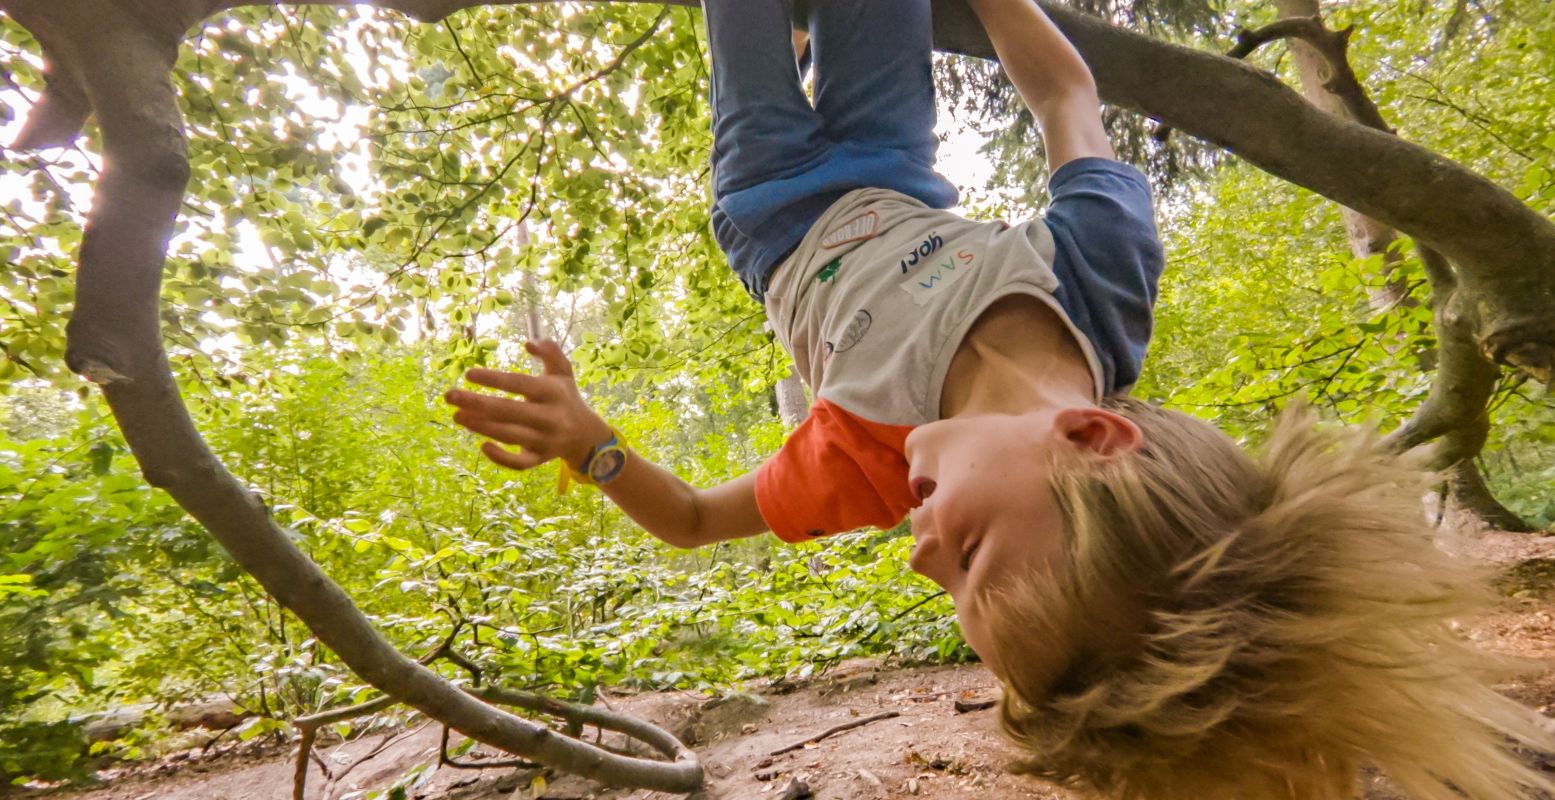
(929, 748)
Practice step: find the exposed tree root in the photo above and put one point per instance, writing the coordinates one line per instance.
(1468, 490)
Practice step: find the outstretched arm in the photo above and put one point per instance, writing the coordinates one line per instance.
(1051, 77)
(550, 420)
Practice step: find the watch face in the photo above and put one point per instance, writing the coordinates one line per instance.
(607, 464)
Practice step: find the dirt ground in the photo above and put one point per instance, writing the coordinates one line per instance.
(929, 748)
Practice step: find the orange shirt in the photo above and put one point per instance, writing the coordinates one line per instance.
(836, 472)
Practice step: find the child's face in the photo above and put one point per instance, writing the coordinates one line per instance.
(987, 512)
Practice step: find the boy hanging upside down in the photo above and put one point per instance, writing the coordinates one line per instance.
(1169, 617)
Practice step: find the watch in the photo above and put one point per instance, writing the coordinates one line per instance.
(602, 465)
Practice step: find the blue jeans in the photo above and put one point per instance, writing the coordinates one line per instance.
(779, 162)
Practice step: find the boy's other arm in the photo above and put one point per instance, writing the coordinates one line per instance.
(549, 419)
(1051, 77)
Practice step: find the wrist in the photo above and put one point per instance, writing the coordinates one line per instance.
(599, 465)
(593, 434)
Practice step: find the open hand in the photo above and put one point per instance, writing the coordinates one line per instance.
(550, 421)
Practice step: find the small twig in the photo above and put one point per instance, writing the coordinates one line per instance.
(371, 754)
(459, 659)
(915, 606)
(300, 771)
(205, 748)
(846, 726)
(329, 774)
(319, 720)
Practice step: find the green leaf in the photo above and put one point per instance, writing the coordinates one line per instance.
(101, 455)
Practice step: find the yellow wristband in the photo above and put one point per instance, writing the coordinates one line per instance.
(601, 466)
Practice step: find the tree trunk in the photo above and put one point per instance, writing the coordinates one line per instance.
(1468, 490)
(791, 405)
(1367, 236)
(1465, 436)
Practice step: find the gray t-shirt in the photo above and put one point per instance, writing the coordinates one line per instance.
(877, 297)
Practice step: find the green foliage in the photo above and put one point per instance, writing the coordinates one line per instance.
(77, 528)
(357, 458)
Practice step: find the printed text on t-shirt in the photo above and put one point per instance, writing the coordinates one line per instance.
(922, 252)
(943, 271)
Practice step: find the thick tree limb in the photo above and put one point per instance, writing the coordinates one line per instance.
(1455, 455)
(115, 339)
(1327, 80)
(59, 113)
(1437, 201)
(1334, 47)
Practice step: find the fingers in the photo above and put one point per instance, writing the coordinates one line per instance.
(544, 423)
(551, 356)
(512, 382)
(524, 459)
(504, 432)
(498, 409)
(552, 360)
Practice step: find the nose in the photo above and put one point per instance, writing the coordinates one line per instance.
(923, 438)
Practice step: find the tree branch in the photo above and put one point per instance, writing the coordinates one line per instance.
(1464, 380)
(59, 113)
(1334, 46)
(114, 338)
(834, 730)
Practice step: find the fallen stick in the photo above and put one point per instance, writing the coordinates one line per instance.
(846, 726)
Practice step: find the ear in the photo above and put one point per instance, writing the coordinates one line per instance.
(1098, 431)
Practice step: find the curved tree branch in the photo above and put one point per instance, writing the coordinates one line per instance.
(1504, 251)
(1334, 46)
(114, 339)
(59, 113)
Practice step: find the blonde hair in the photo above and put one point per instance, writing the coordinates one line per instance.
(1230, 629)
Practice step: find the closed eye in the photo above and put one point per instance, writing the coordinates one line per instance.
(966, 557)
